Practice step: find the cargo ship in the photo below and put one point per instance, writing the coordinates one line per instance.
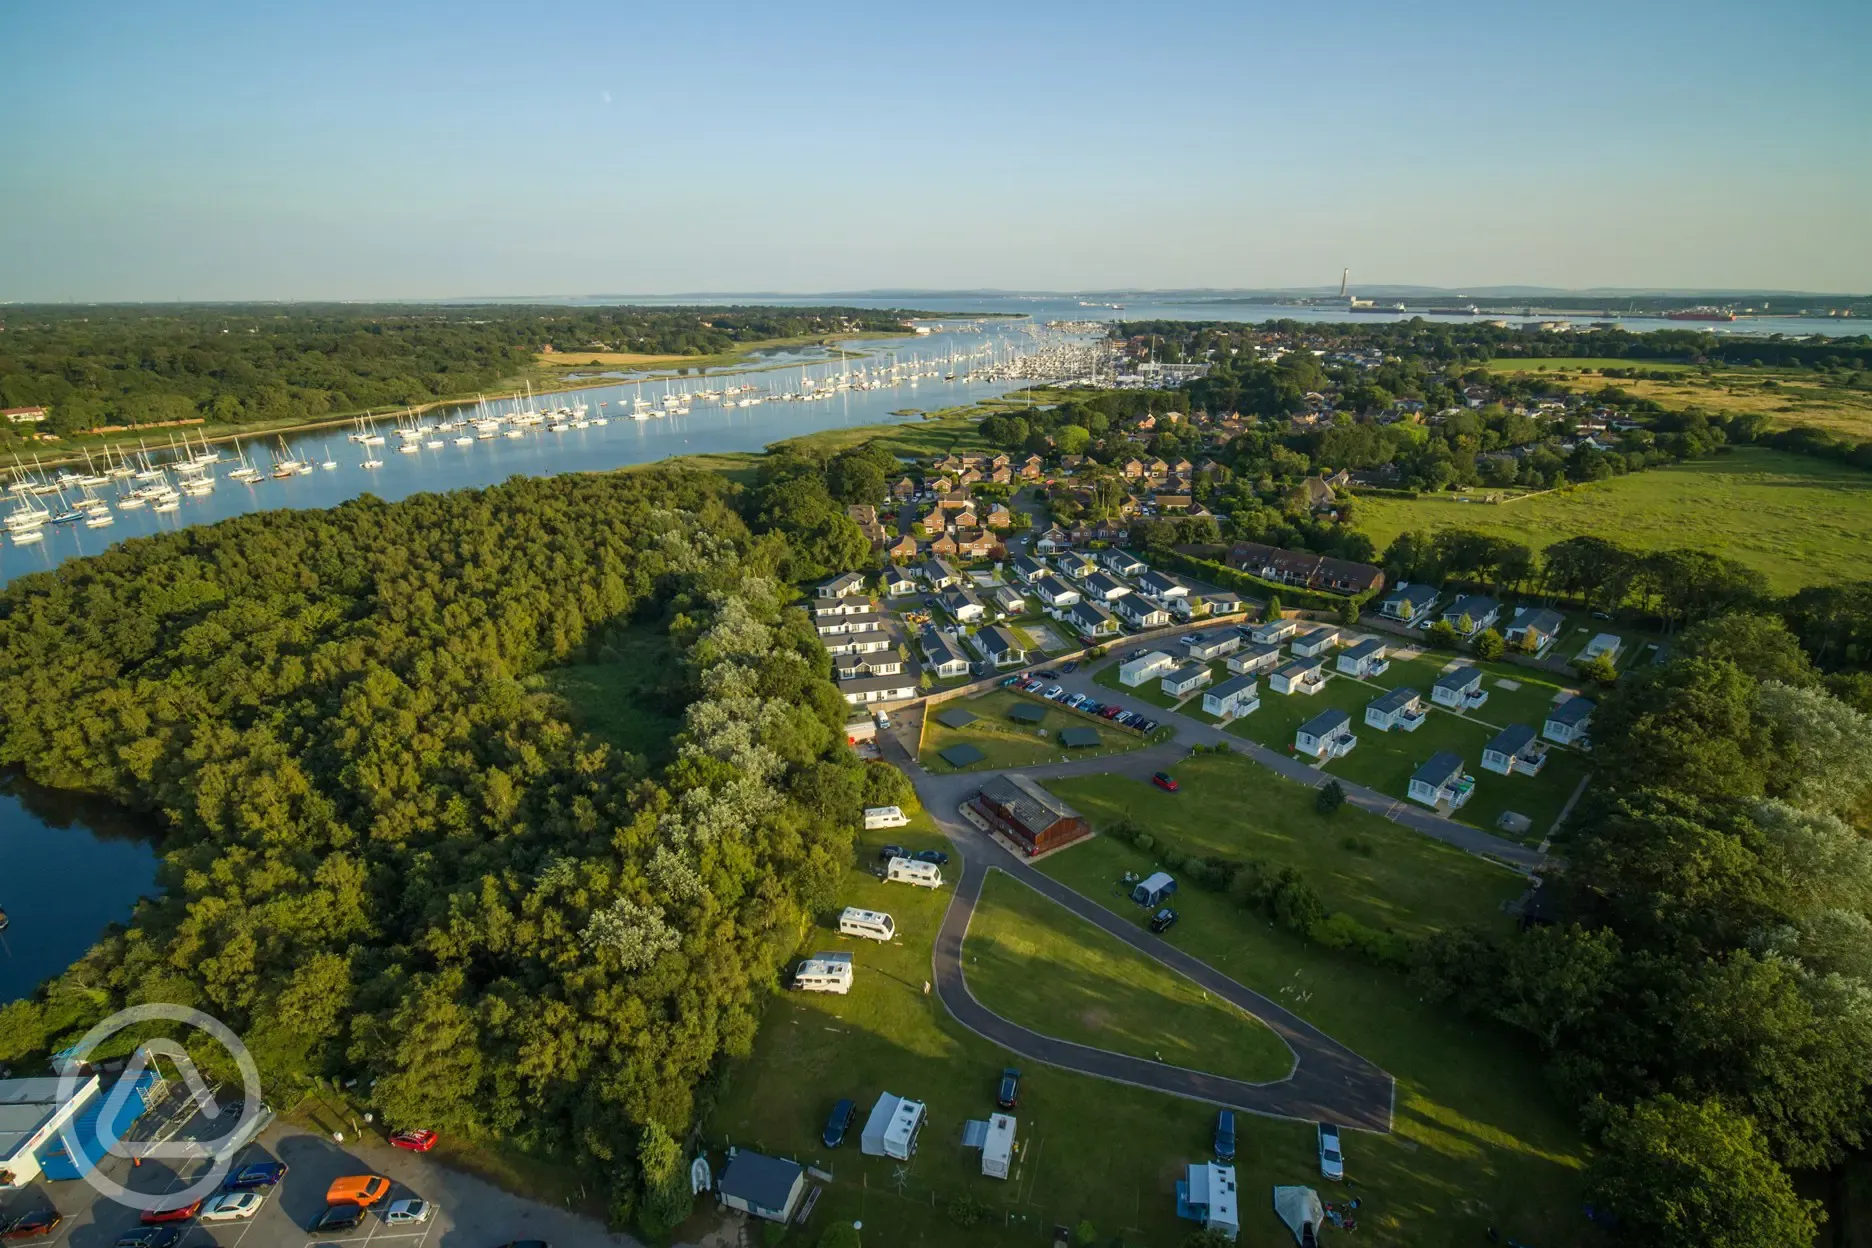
(1700, 314)
(1471, 310)
(1360, 305)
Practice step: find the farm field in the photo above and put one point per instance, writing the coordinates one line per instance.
(1572, 364)
(1047, 969)
(1786, 396)
(1229, 807)
(1478, 1139)
(1005, 743)
(1798, 520)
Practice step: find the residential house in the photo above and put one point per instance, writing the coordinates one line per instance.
(1140, 612)
(861, 690)
(1027, 568)
(1215, 644)
(1570, 722)
(1184, 679)
(1316, 493)
(844, 585)
(1122, 563)
(1472, 613)
(840, 644)
(823, 607)
(1534, 629)
(1008, 600)
(963, 605)
(934, 521)
(866, 520)
(1000, 646)
(1076, 565)
(940, 653)
(1460, 689)
(969, 476)
(1397, 708)
(831, 625)
(903, 550)
(1156, 468)
(878, 663)
(1103, 588)
(1182, 467)
(1131, 469)
(899, 583)
(1408, 603)
(1297, 567)
(976, 544)
(1365, 660)
(1031, 468)
(939, 574)
(944, 546)
(1001, 476)
(1441, 783)
(1053, 540)
(1251, 659)
(1153, 584)
(1315, 641)
(1144, 668)
(903, 488)
(1090, 621)
(1233, 698)
(1224, 602)
(1054, 592)
(1172, 502)
(1328, 735)
(1514, 749)
(1000, 461)
(1298, 676)
(965, 519)
(1273, 632)
(999, 517)
(766, 1187)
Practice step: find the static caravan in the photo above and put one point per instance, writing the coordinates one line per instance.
(825, 972)
(998, 1147)
(884, 817)
(870, 924)
(910, 871)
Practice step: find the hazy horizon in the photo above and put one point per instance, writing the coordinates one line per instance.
(361, 153)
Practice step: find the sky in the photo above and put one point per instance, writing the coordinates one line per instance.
(339, 150)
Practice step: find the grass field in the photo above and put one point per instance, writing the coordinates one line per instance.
(1800, 521)
(1007, 744)
(1369, 867)
(603, 359)
(614, 700)
(1031, 961)
(1568, 364)
(1785, 396)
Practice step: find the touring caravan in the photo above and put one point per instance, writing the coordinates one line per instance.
(870, 924)
(884, 817)
(825, 972)
(910, 871)
(998, 1147)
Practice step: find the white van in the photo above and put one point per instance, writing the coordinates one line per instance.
(870, 924)
(825, 972)
(910, 871)
(884, 817)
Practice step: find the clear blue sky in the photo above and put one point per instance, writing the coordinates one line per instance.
(370, 150)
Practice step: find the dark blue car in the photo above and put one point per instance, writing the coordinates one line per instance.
(1225, 1136)
(839, 1123)
(260, 1174)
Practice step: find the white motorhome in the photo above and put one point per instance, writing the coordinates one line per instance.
(870, 924)
(825, 972)
(910, 871)
(884, 817)
(998, 1147)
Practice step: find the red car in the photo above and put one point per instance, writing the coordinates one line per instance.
(172, 1213)
(1163, 781)
(415, 1141)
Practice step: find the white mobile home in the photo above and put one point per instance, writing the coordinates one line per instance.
(1512, 750)
(1327, 735)
(884, 817)
(1299, 676)
(1273, 632)
(998, 1147)
(825, 972)
(1365, 660)
(1399, 708)
(1233, 698)
(1185, 679)
(1206, 1194)
(1316, 641)
(1569, 722)
(1256, 658)
(870, 924)
(910, 871)
(1145, 667)
(1460, 689)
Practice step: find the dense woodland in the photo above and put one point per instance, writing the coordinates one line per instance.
(129, 365)
(389, 857)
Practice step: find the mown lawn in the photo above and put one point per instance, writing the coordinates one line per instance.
(1799, 521)
(1036, 963)
(1229, 807)
(1008, 744)
(1479, 1140)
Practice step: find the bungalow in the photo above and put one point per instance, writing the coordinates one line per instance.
(1251, 659)
(1054, 592)
(824, 607)
(1315, 641)
(1090, 620)
(1441, 783)
(1569, 722)
(831, 625)
(1140, 612)
(879, 663)
(1460, 689)
(1213, 645)
(1054, 539)
(1104, 588)
(903, 550)
(1297, 567)
(1224, 602)
(1185, 679)
(1365, 660)
(1008, 600)
(1604, 645)
(1534, 629)
(1028, 568)
(1076, 565)
(1123, 563)
(1472, 613)
(1162, 588)
(1408, 603)
(940, 654)
(1233, 698)
(844, 585)
(1399, 708)
(1144, 668)
(963, 605)
(856, 643)
(1514, 749)
(1299, 676)
(1273, 632)
(1172, 502)
(1326, 736)
(898, 583)
(938, 574)
(894, 688)
(1000, 646)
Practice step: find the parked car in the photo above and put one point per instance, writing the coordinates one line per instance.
(1332, 1164)
(32, 1225)
(150, 1237)
(1135, 654)
(410, 1212)
(1007, 1096)
(1163, 920)
(1071, 667)
(1225, 1135)
(892, 851)
(1164, 781)
(1048, 674)
(414, 1141)
(931, 855)
(1112, 712)
(1148, 726)
(1053, 692)
(343, 1216)
(839, 1123)
(232, 1206)
(259, 1174)
(172, 1213)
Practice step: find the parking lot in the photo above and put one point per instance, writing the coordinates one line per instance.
(470, 1213)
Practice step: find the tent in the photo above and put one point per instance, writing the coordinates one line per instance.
(1301, 1210)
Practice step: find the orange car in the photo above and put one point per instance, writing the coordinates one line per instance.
(357, 1189)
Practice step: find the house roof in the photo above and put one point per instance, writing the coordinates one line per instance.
(1256, 650)
(1442, 768)
(758, 1180)
(1230, 687)
(938, 647)
(1155, 583)
(1028, 566)
(960, 598)
(1540, 619)
(1475, 606)
(1572, 712)
(1512, 739)
(1418, 595)
(1326, 723)
(1032, 806)
(877, 684)
(1394, 701)
(938, 567)
(1089, 614)
(1462, 678)
(1298, 667)
(1371, 647)
(1187, 671)
(1325, 632)
(840, 585)
(998, 640)
(1101, 584)
(1052, 586)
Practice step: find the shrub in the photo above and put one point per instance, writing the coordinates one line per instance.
(1296, 906)
(1489, 645)
(1084, 1234)
(1172, 861)
(965, 1211)
(1443, 633)
(1331, 797)
(1144, 841)
(772, 1233)
(1358, 845)
(1343, 932)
